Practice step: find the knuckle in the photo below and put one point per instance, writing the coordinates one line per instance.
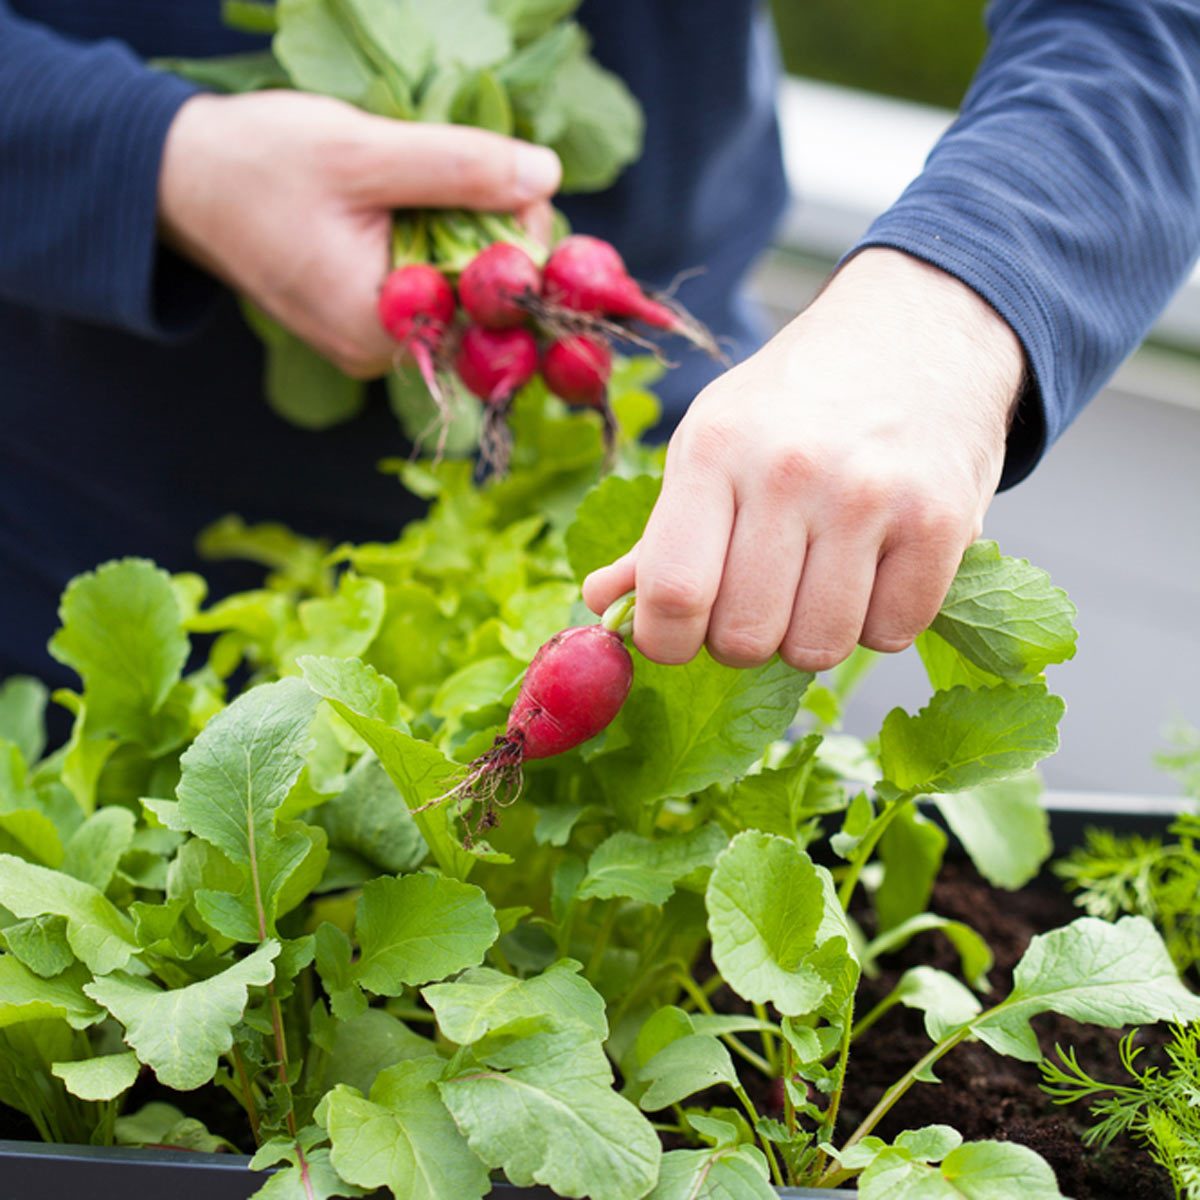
(480, 172)
(812, 658)
(707, 444)
(886, 641)
(931, 518)
(675, 594)
(790, 471)
(741, 647)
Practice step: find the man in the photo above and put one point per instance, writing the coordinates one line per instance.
(817, 495)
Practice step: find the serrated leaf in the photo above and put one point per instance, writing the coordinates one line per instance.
(41, 944)
(611, 518)
(103, 1078)
(727, 1173)
(684, 728)
(766, 903)
(1091, 971)
(235, 776)
(402, 1138)
(317, 1180)
(99, 933)
(419, 928)
(122, 633)
(1003, 827)
(181, 1034)
(973, 1171)
(543, 1109)
(482, 1000)
(1005, 615)
(963, 738)
(648, 869)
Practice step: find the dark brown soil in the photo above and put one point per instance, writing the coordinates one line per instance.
(983, 1094)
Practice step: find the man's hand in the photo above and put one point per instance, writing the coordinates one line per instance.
(288, 198)
(821, 493)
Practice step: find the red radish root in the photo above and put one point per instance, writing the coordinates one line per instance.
(495, 364)
(577, 369)
(416, 306)
(587, 275)
(573, 689)
(497, 285)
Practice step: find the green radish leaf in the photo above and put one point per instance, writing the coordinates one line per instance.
(946, 1003)
(231, 73)
(610, 520)
(342, 625)
(544, 1111)
(31, 835)
(649, 869)
(358, 1049)
(356, 685)
(684, 728)
(158, 1124)
(402, 1138)
(766, 903)
(683, 1067)
(489, 107)
(369, 818)
(122, 632)
(965, 737)
(911, 850)
(99, 933)
(727, 1173)
(181, 1034)
(233, 779)
(408, 397)
(419, 928)
(96, 847)
(318, 51)
(293, 560)
(482, 1000)
(1005, 616)
(973, 1171)
(309, 1173)
(25, 996)
(1091, 971)
(102, 1078)
(22, 714)
(529, 19)
(946, 668)
(975, 953)
(40, 943)
(1003, 827)
(465, 33)
(334, 954)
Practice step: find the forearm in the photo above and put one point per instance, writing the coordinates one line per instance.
(1068, 192)
(81, 135)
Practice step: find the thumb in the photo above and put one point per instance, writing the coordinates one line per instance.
(610, 583)
(410, 165)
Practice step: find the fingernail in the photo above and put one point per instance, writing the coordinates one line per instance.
(538, 172)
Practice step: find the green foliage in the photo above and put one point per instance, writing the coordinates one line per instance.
(251, 877)
(1159, 1106)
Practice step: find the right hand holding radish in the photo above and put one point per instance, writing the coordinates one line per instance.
(288, 198)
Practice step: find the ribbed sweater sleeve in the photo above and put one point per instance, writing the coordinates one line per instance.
(81, 135)
(1067, 193)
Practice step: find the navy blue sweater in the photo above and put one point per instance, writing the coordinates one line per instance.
(1068, 195)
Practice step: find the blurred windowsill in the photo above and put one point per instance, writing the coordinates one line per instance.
(850, 154)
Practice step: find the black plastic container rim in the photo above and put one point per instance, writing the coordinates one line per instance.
(54, 1172)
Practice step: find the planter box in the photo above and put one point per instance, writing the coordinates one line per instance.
(34, 1169)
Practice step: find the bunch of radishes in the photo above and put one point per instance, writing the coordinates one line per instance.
(560, 318)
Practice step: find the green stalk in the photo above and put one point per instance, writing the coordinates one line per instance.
(763, 1140)
(865, 848)
(618, 616)
(602, 940)
(789, 1073)
(247, 1097)
(700, 1000)
(770, 1049)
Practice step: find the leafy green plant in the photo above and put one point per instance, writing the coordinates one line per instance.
(1159, 1107)
(228, 878)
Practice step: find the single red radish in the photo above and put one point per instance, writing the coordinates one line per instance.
(577, 369)
(574, 687)
(496, 286)
(495, 364)
(587, 275)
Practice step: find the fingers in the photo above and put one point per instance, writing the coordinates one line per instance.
(538, 220)
(762, 573)
(831, 603)
(680, 562)
(407, 164)
(610, 583)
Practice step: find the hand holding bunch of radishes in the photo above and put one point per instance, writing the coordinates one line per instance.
(821, 494)
(288, 198)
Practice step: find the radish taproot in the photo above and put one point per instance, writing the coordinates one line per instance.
(495, 364)
(496, 286)
(577, 368)
(586, 275)
(573, 689)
